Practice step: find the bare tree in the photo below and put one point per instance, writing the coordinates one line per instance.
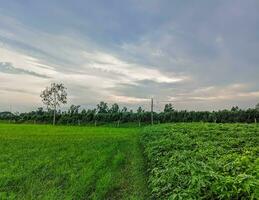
(53, 97)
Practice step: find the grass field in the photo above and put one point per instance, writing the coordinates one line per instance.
(202, 161)
(45, 162)
(169, 161)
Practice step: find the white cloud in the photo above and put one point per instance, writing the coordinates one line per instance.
(131, 71)
(194, 63)
(219, 93)
(127, 99)
(25, 62)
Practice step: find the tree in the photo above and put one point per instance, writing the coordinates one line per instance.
(235, 109)
(140, 110)
(73, 109)
(257, 110)
(102, 107)
(53, 97)
(115, 108)
(140, 113)
(168, 108)
(124, 109)
(40, 111)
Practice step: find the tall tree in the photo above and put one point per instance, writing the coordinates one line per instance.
(53, 96)
(168, 108)
(140, 110)
(102, 107)
(140, 113)
(115, 108)
(235, 108)
(73, 109)
(124, 109)
(257, 107)
(257, 110)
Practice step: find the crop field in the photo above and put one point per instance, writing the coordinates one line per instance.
(45, 162)
(168, 161)
(202, 161)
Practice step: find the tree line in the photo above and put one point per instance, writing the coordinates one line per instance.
(114, 114)
(55, 95)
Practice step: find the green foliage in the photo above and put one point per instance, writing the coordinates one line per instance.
(114, 108)
(45, 162)
(102, 107)
(202, 161)
(168, 108)
(104, 114)
(119, 160)
(54, 95)
(183, 161)
(257, 107)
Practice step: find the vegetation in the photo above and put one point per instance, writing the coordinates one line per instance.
(202, 161)
(53, 96)
(61, 162)
(180, 161)
(105, 114)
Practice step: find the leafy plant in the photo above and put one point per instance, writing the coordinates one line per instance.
(202, 161)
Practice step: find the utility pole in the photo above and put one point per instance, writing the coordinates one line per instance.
(152, 108)
(55, 107)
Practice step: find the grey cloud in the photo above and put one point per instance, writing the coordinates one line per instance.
(8, 68)
(8, 89)
(149, 88)
(215, 43)
(34, 51)
(188, 96)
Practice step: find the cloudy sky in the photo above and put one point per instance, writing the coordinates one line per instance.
(200, 55)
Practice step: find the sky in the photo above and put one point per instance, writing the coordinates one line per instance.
(198, 55)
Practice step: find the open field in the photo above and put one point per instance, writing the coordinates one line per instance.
(45, 162)
(202, 161)
(169, 161)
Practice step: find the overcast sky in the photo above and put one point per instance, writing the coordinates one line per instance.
(201, 55)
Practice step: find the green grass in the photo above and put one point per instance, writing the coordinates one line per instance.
(168, 161)
(46, 162)
(202, 161)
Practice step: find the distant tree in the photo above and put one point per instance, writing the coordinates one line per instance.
(83, 112)
(115, 108)
(140, 110)
(73, 109)
(6, 115)
(140, 113)
(102, 107)
(168, 108)
(124, 109)
(235, 108)
(40, 111)
(53, 97)
(257, 110)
